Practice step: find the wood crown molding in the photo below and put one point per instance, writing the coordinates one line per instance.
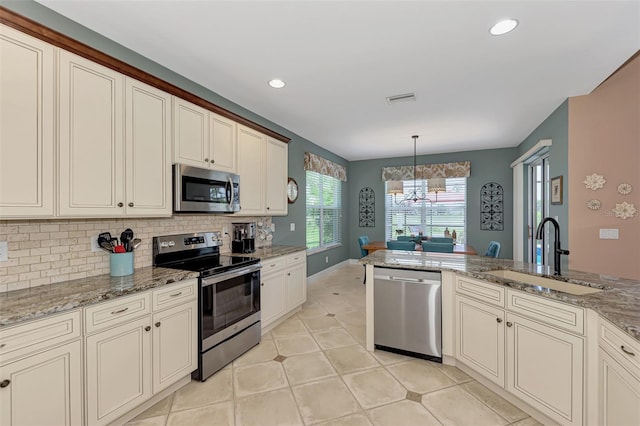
(35, 29)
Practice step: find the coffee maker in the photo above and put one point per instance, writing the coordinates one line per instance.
(243, 237)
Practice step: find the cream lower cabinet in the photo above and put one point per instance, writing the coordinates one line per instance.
(480, 338)
(283, 286)
(41, 372)
(262, 166)
(27, 126)
(545, 368)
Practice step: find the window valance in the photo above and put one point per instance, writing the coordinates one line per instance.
(428, 171)
(315, 163)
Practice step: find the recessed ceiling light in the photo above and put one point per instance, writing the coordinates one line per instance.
(276, 83)
(504, 26)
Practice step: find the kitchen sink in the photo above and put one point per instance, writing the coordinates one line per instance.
(535, 280)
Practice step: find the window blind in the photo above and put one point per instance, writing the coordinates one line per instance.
(324, 211)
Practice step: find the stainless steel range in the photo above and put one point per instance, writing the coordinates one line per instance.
(229, 297)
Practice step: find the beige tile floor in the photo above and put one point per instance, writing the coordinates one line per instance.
(314, 369)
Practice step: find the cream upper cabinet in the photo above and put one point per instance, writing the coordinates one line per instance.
(262, 166)
(91, 149)
(27, 129)
(202, 138)
(223, 152)
(251, 168)
(147, 150)
(276, 159)
(190, 134)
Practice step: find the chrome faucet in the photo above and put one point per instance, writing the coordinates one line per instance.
(557, 249)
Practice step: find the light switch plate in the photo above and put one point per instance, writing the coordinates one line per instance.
(292, 227)
(609, 234)
(273, 227)
(4, 251)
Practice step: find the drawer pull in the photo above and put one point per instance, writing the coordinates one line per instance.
(2, 345)
(120, 311)
(626, 351)
(147, 328)
(158, 324)
(498, 320)
(176, 294)
(5, 383)
(272, 265)
(509, 324)
(262, 284)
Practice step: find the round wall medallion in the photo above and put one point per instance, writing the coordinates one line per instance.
(594, 204)
(292, 190)
(625, 188)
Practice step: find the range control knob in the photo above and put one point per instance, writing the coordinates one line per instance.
(172, 243)
(164, 244)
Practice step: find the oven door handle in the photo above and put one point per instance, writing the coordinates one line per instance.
(230, 194)
(230, 274)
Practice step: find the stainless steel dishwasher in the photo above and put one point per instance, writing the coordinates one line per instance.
(407, 312)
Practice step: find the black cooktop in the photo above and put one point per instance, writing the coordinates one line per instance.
(213, 264)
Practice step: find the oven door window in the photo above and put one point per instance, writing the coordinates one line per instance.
(228, 302)
(205, 191)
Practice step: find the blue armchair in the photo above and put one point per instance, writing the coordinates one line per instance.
(401, 245)
(437, 247)
(493, 250)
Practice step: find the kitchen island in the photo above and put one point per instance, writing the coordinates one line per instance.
(567, 355)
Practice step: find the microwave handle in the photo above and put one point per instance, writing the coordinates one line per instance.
(230, 192)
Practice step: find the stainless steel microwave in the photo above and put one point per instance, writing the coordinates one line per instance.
(197, 190)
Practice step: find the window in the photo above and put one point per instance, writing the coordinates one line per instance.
(429, 217)
(324, 211)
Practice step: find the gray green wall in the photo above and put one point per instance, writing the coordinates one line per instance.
(297, 146)
(492, 165)
(556, 128)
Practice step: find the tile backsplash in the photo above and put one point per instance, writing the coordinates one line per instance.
(44, 252)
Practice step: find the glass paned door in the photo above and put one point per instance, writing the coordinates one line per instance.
(538, 209)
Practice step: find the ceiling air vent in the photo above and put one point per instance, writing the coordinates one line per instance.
(401, 98)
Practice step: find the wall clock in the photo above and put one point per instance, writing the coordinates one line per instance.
(292, 190)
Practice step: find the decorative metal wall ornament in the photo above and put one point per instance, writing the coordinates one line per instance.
(367, 208)
(625, 188)
(491, 207)
(594, 181)
(594, 204)
(625, 210)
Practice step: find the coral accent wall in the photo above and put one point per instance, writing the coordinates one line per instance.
(604, 138)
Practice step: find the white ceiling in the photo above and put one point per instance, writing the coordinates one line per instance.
(341, 59)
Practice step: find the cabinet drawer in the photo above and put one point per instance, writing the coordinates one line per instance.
(295, 258)
(115, 312)
(273, 264)
(480, 290)
(620, 346)
(175, 294)
(35, 335)
(567, 317)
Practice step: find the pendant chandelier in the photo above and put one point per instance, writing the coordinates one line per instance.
(433, 185)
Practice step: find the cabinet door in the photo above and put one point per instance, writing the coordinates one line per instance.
(118, 365)
(251, 166)
(480, 338)
(272, 297)
(276, 177)
(175, 344)
(223, 143)
(545, 368)
(27, 132)
(43, 389)
(619, 403)
(147, 150)
(91, 171)
(296, 285)
(190, 134)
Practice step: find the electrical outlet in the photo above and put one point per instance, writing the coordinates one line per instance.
(609, 234)
(326, 259)
(94, 244)
(4, 251)
(273, 227)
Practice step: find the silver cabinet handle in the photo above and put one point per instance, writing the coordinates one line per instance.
(498, 320)
(119, 312)
(5, 383)
(509, 324)
(626, 351)
(176, 294)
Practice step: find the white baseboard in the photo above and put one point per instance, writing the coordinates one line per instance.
(317, 275)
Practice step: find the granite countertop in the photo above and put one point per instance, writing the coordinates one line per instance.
(32, 303)
(264, 253)
(619, 302)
